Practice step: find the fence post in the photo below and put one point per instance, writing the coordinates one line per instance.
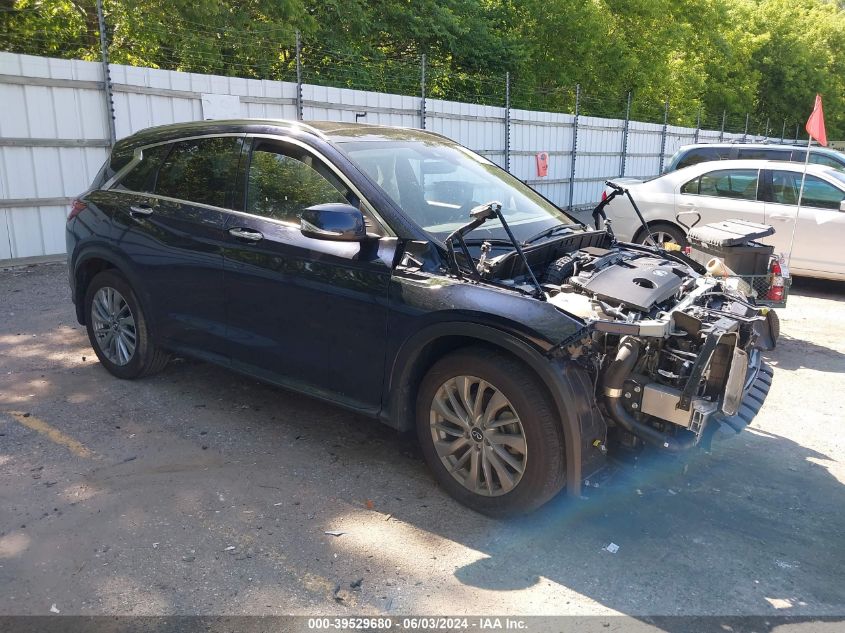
(625, 136)
(722, 131)
(507, 121)
(298, 76)
(796, 132)
(107, 87)
(574, 145)
(745, 133)
(422, 92)
(783, 133)
(766, 135)
(697, 125)
(663, 135)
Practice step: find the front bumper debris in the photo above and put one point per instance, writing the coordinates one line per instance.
(758, 383)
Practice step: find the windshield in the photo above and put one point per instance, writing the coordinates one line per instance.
(436, 183)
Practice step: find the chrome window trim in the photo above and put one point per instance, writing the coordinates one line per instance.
(138, 155)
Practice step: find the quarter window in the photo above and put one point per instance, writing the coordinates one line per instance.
(740, 184)
(285, 180)
(200, 170)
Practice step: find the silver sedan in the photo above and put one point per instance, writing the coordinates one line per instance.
(755, 190)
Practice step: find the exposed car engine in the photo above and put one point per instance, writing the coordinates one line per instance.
(669, 348)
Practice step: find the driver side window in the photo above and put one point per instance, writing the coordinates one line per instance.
(284, 180)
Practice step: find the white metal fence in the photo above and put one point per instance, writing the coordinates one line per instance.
(54, 134)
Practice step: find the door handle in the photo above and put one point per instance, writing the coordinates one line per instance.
(246, 235)
(140, 209)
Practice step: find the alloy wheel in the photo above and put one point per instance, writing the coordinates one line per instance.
(478, 436)
(660, 237)
(114, 326)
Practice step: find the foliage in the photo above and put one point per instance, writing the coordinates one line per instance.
(764, 57)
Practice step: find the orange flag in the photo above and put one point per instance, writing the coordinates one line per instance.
(815, 124)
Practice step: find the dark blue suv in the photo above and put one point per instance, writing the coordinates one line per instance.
(400, 275)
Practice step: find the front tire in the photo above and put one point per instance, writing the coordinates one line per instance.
(489, 433)
(118, 329)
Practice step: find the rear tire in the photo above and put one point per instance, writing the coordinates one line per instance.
(502, 453)
(118, 328)
(663, 232)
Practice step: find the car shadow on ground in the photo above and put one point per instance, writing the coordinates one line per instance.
(211, 493)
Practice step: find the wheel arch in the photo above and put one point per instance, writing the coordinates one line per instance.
(92, 261)
(419, 353)
(654, 223)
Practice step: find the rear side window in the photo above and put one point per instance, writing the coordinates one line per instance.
(700, 155)
(740, 184)
(142, 177)
(764, 153)
(200, 170)
(786, 187)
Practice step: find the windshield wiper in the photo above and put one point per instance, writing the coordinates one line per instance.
(492, 241)
(480, 215)
(550, 232)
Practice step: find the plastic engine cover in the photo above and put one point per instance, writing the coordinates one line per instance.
(638, 283)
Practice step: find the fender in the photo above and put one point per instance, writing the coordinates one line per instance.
(105, 251)
(552, 373)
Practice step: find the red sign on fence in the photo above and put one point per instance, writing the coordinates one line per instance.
(542, 164)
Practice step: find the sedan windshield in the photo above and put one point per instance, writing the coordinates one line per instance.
(436, 183)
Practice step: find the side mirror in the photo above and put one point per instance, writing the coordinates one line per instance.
(335, 222)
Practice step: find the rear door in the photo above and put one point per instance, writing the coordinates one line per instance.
(720, 194)
(304, 312)
(820, 226)
(175, 239)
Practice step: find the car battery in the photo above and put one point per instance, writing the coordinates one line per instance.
(734, 242)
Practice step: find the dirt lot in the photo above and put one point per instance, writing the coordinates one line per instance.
(199, 491)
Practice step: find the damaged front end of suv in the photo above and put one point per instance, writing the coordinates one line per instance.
(673, 353)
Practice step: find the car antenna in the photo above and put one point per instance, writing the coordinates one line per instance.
(480, 215)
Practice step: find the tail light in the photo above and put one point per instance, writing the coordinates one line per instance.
(603, 196)
(687, 251)
(776, 290)
(75, 208)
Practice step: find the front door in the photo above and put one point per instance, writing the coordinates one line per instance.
(721, 194)
(304, 312)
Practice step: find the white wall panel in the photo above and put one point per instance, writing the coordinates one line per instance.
(43, 105)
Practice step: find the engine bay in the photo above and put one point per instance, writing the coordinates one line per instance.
(670, 349)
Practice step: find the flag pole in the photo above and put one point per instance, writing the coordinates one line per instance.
(800, 196)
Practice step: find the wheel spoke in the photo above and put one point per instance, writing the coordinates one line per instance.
(479, 398)
(464, 385)
(446, 448)
(505, 478)
(516, 442)
(448, 430)
(441, 409)
(496, 404)
(473, 475)
(507, 458)
(462, 460)
(485, 468)
(503, 421)
(459, 410)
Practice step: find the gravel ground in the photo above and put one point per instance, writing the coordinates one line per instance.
(198, 491)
